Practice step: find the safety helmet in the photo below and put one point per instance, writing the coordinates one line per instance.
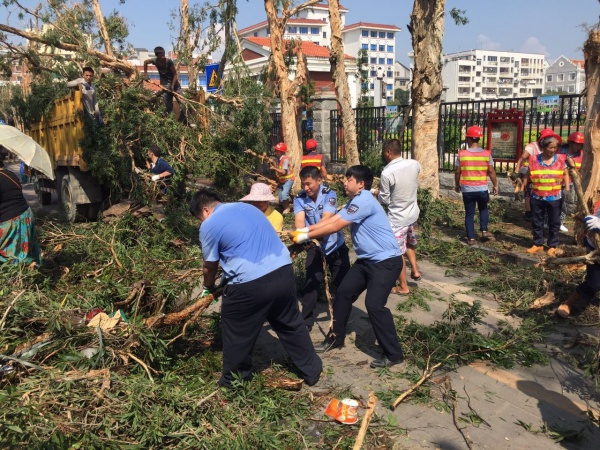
(474, 132)
(576, 137)
(281, 147)
(549, 132)
(310, 144)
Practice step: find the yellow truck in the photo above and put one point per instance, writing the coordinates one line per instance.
(60, 134)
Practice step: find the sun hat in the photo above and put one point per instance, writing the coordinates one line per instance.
(259, 192)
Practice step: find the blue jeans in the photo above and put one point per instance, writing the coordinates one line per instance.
(284, 190)
(481, 199)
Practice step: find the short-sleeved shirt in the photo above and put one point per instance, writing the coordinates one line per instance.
(165, 73)
(240, 237)
(464, 188)
(398, 189)
(313, 213)
(275, 218)
(161, 166)
(12, 201)
(371, 231)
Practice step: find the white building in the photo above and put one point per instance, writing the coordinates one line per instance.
(565, 75)
(490, 75)
(402, 76)
(379, 42)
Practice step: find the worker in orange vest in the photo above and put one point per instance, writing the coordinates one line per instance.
(285, 176)
(547, 173)
(573, 150)
(312, 158)
(473, 167)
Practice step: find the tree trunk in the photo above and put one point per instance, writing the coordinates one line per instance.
(427, 31)
(590, 165)
(342, 90)
(186, 46)
(102, 28)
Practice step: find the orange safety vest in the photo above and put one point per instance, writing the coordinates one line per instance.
(474, 167)
(290, 175)
(577, 160)
(312, 160)
(546, 181)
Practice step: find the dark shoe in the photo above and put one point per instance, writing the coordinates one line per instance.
(331, 342)
(312, 381)
(486, 236)
(528, 216)
(384, 363)
(471, 242)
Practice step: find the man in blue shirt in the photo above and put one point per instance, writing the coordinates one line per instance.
(260, 285)
(160, 169)
(377, 268)
(316, 203)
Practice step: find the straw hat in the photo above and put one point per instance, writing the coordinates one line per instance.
(259, 192)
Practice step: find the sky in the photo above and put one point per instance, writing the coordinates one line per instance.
(550, 27)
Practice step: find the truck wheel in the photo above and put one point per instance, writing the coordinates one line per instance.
(66, 196)
(44, 198)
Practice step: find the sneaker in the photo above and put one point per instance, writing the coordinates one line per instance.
(534, 249)
(384, 363)
(552, 252)
(563, 311)
(563, 228)
(486, 236)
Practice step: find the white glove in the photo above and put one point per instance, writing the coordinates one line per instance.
(301, 235)
(592, 223)
(155, 177)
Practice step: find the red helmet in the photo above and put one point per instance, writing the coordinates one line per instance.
(549, 132)
(474, 132)
(576, 137)
(281, 147)
(310, 144)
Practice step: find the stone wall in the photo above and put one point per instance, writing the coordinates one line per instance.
(323, 103)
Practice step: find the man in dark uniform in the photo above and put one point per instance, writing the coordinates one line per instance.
(260, 285)
(316, 203)
(377, 268)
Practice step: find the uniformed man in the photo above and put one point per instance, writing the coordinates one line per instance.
(314, 204)
(260, 285)
(377, 268)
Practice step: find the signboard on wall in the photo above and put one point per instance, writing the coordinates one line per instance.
(548, 103)
(505, 131)
(212, 77)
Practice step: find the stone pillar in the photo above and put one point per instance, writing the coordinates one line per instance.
(323, 103)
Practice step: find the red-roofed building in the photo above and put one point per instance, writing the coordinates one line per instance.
(565, 75)
(256, 51)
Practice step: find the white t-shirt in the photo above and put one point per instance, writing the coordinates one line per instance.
(398, 189)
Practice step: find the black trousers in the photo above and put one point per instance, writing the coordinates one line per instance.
(338, 263)
(245, 309)
(539, 208)
(378, 279)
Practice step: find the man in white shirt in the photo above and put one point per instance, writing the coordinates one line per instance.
(398, 190)
(89, 93)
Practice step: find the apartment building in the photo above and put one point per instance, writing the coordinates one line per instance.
(565, 76)
(491, 75)
(378, 40)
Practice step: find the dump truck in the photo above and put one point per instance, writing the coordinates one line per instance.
(60, 134)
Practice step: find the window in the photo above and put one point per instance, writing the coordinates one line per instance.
(374, 34)
(364, 86)
(390, 74)
(390, 48)
(559, 88)
(314, 31)
(365, 33)
(381, 35)
(382, 48)
(402, 82)
(365, 46)
(390, 61)
(316, 42)
(492, 58)
(381, 61)
(268, 31)
(572, 76)
(255, 34)
(571, 89)
(372, 86)
(292, 30)
(560, 77)
(373, 73)
(324, 34)
(303, 30)
(389, 87)
(373, 60)
(478, 62)
(390, 35)
(549, 78)
(374, 47)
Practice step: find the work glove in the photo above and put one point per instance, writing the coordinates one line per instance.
(592, 223)
(300, 235)
(155, 177)
(207, 291)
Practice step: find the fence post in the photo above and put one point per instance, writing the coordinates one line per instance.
(322, 103)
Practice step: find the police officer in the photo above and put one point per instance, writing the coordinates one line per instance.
(316, 203)
(260, 285)
(377, 268)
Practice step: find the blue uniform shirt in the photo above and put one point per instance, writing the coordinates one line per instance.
(161, 166)
(313, 213)
(241, 238)
(372, 234)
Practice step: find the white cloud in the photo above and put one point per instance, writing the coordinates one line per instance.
(533, 45)
(486, 43)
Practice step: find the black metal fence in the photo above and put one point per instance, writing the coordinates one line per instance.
(277, 131)
(373, 127)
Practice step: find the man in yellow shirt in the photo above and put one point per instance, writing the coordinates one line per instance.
(260, 196)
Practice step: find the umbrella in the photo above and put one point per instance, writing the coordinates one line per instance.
(26, 149)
